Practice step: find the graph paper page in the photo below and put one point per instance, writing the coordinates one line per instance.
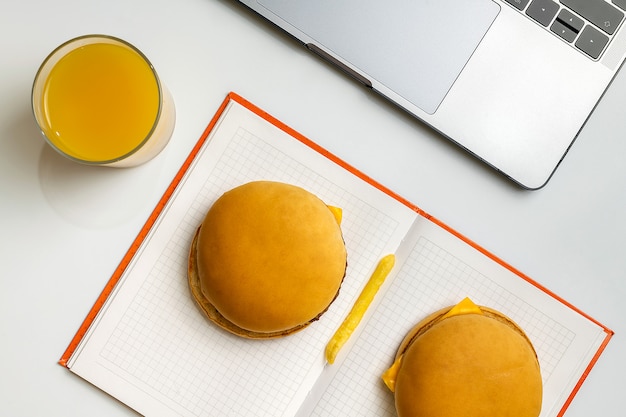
(150, 346)
(439, 270)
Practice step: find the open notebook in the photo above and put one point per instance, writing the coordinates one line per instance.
(146, 343)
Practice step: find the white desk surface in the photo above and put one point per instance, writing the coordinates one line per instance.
(64, 227)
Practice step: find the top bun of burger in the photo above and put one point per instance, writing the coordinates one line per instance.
(466, 361)
(268, 259)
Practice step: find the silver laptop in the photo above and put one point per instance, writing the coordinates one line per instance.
(511, 81)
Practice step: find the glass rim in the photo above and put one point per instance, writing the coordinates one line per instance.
(88, 41)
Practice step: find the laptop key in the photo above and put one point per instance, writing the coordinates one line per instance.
(567, 25)
(599, 12)
(591, 41)
(520, 4)
(564, 31)
(570, 19)
(543, 11)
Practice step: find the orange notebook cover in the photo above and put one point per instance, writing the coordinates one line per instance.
(145, 342)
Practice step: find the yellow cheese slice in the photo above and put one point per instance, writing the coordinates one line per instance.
(337, 212)
(390, 375)
(466, 306)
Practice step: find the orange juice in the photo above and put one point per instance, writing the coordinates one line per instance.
(100, 101)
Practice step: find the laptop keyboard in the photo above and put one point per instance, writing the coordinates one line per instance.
(588, 25)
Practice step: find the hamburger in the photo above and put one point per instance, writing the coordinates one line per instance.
(267, 260)
(466, 361)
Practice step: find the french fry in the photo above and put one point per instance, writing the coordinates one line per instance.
(359, 308)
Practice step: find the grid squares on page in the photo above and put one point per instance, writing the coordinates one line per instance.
(430, 277)
(162, 322)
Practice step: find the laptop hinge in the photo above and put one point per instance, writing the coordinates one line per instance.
(329, 58)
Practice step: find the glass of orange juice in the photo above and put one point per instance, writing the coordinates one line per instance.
(98, 100)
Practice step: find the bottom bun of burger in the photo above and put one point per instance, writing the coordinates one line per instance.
(466, 361)
(267, 260)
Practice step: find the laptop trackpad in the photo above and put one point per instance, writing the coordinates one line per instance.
(416, 48)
